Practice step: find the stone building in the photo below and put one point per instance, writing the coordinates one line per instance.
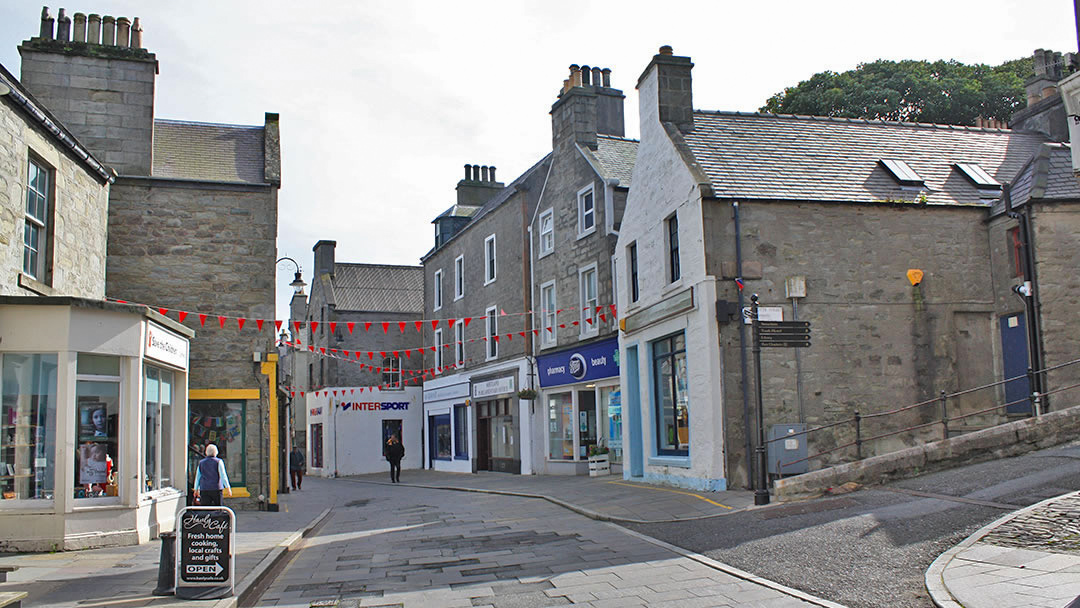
(572, 238)
(78, 468)
(823, 219)
(192, 227)
(476, 301)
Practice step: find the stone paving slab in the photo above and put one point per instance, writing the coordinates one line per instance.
(1028, 558)
(608, 498)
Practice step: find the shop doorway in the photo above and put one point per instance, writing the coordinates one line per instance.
(483, 444)
(498, 448)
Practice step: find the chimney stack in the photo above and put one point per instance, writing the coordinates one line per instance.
(324, 258)
(670, 91)
(587, 107)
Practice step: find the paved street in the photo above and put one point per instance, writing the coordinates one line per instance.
(871, 548)
(398, 545)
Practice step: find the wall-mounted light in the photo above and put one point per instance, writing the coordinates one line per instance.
(298, 283)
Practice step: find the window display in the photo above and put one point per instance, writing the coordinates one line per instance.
(223, 424)
(561, 426)
(672, 400)
(27, 427)
(97, 406)
(157, 414)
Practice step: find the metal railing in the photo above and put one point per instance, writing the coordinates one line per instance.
(858, 419)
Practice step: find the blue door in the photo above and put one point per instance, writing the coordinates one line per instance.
(1014, 354)
(633, 444)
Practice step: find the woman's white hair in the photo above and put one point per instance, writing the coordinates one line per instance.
(211, 450)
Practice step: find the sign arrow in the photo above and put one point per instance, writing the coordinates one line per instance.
(764, 324)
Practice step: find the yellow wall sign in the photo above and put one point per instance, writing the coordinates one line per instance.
(915, 276)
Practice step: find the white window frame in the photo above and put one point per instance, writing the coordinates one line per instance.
(582, 213)
(387, 376)
(491, 262)
(38, 224)
(491, 328)
(549, 338)
(633, 265)
(588, 306)
(459, 277)
(459, 342)
(547, 237)
(438, 350)
(672, 250)
(437, 289)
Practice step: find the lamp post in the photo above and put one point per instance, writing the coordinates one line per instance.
(298, 285)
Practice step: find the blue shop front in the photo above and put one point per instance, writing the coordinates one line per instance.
(580, 402)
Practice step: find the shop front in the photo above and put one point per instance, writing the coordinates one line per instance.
(581, 406)
(498, 424)
(92, 423)
(448, 417)
(348, 427)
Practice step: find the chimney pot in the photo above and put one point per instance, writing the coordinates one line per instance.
(575, 76)
(93, 28)
(79, 33)
(123, 31)
(46, 24)
(586, 75)
(597, 77)
(484, 173)
(491, 173)
(607, 77)
(108, 30)
(63, 26)
(565, 86)
(136, 34)
(476, 173)
(468, 171)
(666, 50)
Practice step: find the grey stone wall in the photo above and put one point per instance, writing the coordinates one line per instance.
(208, 249)
(105, 95)
(79, 216)
(877, 342)
(1057, 258)
(339, 372)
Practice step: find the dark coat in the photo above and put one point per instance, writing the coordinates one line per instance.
(394, 452)
(296, 460)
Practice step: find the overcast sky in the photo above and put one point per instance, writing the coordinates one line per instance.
(382, 103)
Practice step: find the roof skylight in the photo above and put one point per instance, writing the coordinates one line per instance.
(980, 178)
(902, 172)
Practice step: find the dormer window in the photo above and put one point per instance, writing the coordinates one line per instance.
(903, 173)
(979, 177)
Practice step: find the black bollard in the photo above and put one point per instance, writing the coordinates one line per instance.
(166, 574)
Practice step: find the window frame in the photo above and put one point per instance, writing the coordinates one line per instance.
(437, 293)
(671, 238)
(491, 329)
(491, 263)
(387, 376)
(459, 342)
(657, 413)
(546, 243)
(41, 269)
(549, 338)
(460, 431)
(632, 268)
(438, 350)
(459, 277)
(587, 310)
(589, 191)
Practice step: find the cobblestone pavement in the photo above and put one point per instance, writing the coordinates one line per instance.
(1030, 558)
(402, 546)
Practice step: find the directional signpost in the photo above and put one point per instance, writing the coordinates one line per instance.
(205, 565)
(783, 334)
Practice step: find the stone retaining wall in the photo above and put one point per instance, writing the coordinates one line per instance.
(1000, 441)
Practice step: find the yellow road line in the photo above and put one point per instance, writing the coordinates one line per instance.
(631, 485)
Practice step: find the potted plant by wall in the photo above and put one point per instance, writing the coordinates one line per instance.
(527, 394)
(599, 460)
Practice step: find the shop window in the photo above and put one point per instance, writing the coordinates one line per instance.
(611, 421)
(561, 426)
(392, 428)
(587, 423)
(440, 436)
(157, 414)
(461, 432)
(224, 424)
(97, 432)
(672, 402)
(28, 427)
(316, 446)
(37, 231)
(391, 372)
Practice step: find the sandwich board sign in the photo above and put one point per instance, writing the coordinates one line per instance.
(205, 564)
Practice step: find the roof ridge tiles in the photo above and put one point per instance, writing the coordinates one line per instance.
(617, 138)
(846, 119)
(174, 121)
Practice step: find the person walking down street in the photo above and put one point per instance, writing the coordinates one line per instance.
(296, 467)
(394, 452)
(211, 479)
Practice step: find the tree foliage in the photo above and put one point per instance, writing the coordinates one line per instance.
(946, 92)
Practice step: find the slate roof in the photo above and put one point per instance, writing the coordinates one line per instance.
(208, 152)
(1049, 176)
(378, 288)
(783, 157)
(616, 156)
(458, 211)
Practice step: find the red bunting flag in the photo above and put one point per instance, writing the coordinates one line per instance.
(367, 326)
(296, 324)
(259, 323)
(311, 348)
(382, 354)
(163, 311)
(419, 326)
(434, 324)
(496, 338)
(182, 315)
(587, 320)
(314, 326)
(202, 319)
(346, 353)
(240, 322)
(451, 322)
(432, 349)
(502, 312)
(361, 390)
(396, 354)
(599, 308)
(350, 325)
(536, 332)
(333, 326)
(561, 326)
(575, 323)
(301, 393)
(408, 353)
(467, 319)
(370, 355)
(385, 327)
(221, 321)
(277, 326)
(603, 319)
(510, 337)
(292, 393)
(521, 333)
(335, 393)
(401, 326)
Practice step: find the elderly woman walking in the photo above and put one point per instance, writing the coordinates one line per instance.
(210, 479)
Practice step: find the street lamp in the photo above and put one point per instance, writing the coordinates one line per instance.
(298, 283)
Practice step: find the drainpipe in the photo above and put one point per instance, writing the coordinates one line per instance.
(742, 345)
(1032, 304)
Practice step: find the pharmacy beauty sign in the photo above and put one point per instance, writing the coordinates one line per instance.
(582, 364)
